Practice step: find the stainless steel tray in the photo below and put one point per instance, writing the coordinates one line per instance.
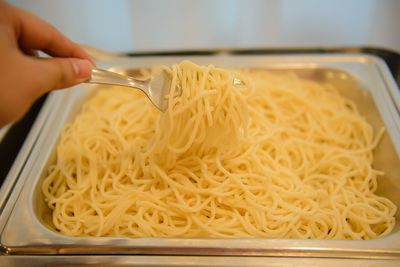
(22, 223)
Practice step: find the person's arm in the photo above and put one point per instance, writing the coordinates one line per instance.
(25, 77)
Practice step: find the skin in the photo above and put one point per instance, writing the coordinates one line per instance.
(23, 76)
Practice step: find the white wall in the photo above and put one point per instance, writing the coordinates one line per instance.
(140, 25)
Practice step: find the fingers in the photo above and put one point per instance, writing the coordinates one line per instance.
(35, 34)
(57, 73)
(24, 77)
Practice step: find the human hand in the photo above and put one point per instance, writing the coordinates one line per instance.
(23, 76)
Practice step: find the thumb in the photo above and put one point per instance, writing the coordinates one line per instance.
(57, 73)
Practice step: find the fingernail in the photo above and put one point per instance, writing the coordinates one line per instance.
(82, 68)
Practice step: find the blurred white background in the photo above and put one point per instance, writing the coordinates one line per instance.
(157, 25)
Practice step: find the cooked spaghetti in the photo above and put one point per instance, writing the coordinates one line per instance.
(274, 156)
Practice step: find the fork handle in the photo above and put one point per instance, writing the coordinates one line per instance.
(101, 76)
